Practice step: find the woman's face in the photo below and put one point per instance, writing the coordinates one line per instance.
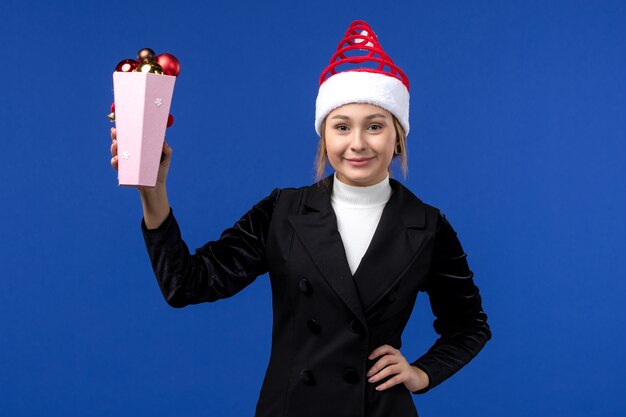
(360, 141)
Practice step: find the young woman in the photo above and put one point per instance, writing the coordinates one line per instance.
(346, 258)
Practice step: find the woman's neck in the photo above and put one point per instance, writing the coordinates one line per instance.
(368, 196)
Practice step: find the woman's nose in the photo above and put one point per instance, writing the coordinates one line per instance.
(358, 141)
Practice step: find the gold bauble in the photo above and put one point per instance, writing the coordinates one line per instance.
(150, 66)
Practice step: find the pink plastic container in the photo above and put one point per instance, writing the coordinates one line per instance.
(142, 105)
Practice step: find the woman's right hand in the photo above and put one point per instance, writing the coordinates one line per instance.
(164, 167)
(156, 206)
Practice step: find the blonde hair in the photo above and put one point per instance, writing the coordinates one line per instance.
(320, 159)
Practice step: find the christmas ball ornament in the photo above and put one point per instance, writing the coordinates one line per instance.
(127, 65)
(150, 66)
(146, 54)
(169, 63)
(112, 107)
(170, 120)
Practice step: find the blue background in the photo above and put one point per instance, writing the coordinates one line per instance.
(518, 116)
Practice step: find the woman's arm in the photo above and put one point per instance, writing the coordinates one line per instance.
(220, 268)
(217, 270)
(456, 303)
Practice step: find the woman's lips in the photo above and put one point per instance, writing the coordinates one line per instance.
(358, 162)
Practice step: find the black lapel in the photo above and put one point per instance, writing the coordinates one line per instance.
(317, 229)
(397, 240)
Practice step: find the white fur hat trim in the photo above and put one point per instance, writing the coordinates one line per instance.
(347, 87)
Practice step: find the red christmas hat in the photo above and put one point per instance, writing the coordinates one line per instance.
(361, 72)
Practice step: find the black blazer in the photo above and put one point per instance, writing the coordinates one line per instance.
(326, 321)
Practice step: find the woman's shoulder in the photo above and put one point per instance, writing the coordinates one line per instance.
(320, 188)
(411, 203)
(435, 219)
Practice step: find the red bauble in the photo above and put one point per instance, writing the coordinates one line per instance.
(112, 107)
(169, 63)
(170, 120)
(127, 65)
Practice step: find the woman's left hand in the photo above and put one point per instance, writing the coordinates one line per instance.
(392, 362)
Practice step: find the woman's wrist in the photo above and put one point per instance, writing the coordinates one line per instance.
(155, 204)
(421, 380)
(152, 192)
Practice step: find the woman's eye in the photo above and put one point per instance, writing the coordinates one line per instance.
(375, 127)
(343, 128)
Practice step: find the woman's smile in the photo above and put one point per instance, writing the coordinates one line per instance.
(359, 162)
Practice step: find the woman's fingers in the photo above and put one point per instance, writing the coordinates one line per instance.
(114, 148)
(385, 372)
(382, 350)
(380, 364)
(166, 155)
(398, 379)
(114, 161)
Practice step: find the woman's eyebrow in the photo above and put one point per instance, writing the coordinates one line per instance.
(375, 115)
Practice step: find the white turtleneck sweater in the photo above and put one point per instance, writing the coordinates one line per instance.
(358, 211)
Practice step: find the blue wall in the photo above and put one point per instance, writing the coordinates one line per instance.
(518, 133)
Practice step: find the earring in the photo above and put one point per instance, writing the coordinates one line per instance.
(398, 150)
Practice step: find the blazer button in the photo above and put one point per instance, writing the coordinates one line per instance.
(356, 327)
(307, 377)
(305, 286)
(392, 297)
(314, 326)
(351, 376)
